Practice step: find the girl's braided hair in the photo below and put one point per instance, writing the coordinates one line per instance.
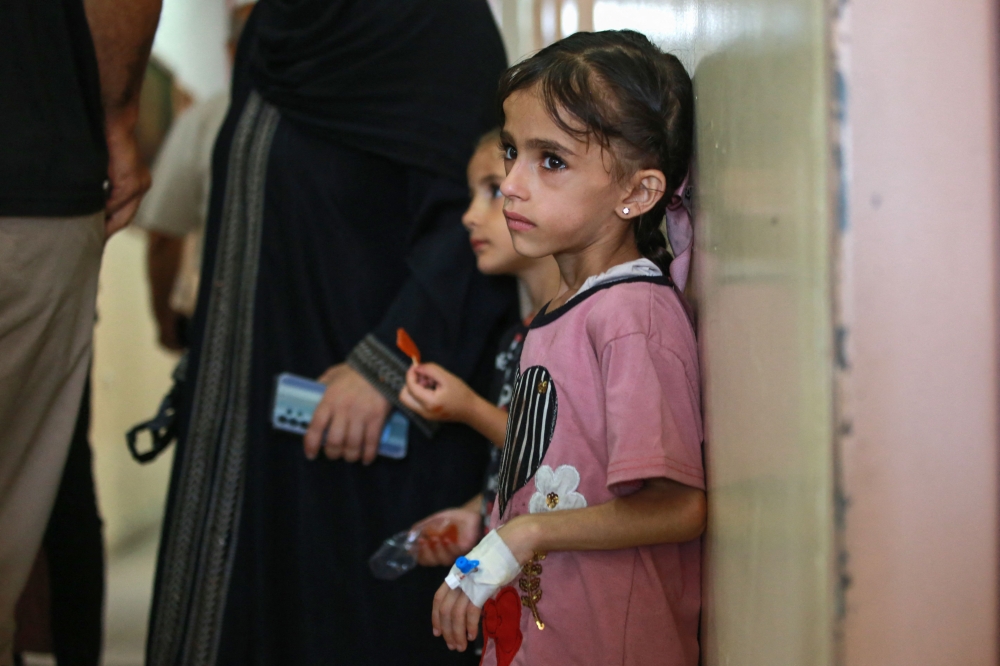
(633, 98)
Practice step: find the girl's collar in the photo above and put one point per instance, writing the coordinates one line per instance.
(545, 317)
(635, 268)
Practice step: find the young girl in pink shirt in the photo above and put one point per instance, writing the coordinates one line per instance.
(595, 558)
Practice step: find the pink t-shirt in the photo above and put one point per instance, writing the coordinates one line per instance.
(607, 396)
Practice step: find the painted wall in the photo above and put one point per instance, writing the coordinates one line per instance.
(919, 309)
(764, 242)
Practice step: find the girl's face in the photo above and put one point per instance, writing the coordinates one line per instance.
(495, 254)
(561, 197)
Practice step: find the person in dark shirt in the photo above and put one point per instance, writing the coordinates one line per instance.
(70, 176)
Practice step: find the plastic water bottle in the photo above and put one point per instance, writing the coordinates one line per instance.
(396, 556)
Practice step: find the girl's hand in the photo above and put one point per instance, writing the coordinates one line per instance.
(446, 535)
(455, 618)
(436, 394)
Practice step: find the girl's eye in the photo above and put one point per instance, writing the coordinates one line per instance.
(495, 191)
(509, 153)
(552, 163)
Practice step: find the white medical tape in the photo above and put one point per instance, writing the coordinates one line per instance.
(497, 567)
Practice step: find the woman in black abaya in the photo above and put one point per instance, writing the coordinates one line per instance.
(335, 219)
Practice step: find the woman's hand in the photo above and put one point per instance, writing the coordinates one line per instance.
(446, 535)
(436, 394)
(351, 414)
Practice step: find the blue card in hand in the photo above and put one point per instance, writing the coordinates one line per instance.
(296, 398)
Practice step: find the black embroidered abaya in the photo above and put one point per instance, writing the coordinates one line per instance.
(338, 188)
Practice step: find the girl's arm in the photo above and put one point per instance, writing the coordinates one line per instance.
(437, 395)
(662, 511)
(487, 419)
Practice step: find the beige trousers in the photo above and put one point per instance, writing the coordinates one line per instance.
(48, 289)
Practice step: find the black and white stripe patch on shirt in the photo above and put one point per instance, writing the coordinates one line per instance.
(530, 425)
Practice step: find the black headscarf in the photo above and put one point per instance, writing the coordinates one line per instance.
(410, 80)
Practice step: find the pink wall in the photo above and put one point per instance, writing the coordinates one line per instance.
(918, 298)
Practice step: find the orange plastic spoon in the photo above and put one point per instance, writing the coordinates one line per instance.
(407, 345)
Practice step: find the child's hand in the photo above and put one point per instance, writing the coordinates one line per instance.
(446, 535)
(436, 394)
(455, 617)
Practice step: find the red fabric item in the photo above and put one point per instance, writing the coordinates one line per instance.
(502, 623)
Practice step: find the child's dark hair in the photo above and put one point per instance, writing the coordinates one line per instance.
(636, 100)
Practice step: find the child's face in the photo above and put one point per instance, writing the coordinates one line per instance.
(561, 197)
(495, 254)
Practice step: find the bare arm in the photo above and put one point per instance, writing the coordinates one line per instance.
(487, 419)
(663, 511)
(123, 36)
(163, 261)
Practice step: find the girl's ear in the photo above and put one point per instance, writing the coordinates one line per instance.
(646, 188)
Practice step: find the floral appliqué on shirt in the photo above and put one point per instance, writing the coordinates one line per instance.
(556, 490)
